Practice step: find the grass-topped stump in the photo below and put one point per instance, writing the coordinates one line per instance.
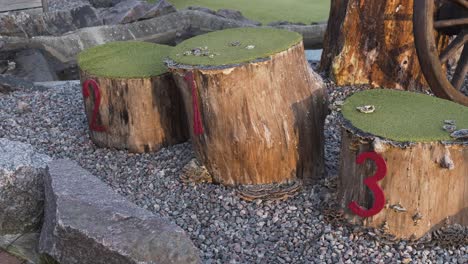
(131, 100)
(404, 162)
(255, 108)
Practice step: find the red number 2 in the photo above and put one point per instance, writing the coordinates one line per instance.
(97, 101)
(371, 182)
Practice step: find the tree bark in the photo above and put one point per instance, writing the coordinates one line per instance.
(371, 42)
(141, 115)
(426, 184)
(262, 121)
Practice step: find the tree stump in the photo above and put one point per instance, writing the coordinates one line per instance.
(255, 108)
(131, 100)
(372, 42)
(421, 170)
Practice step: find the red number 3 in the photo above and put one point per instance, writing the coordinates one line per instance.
(371, 182)
(97, 101)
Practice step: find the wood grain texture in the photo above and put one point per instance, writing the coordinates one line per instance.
(263, 121)
(371, 42)
(416, 180)
(141, 115)
(11, 5)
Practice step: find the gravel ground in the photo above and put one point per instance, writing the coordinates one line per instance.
(224, 228)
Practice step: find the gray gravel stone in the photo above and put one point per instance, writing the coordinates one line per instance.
(214, 217)
(86, 222)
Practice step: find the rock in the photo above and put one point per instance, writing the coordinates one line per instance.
(161, 8)
(236, 15)
(461, 134)
(33, 66)
(21, 187)
(3, 66)
(22, 107)
(166, 29)
(202, 9)
(21, 198)
(284, 23)
(60, 5)
(132, 10)
(125, 12)
(447, 162)
(22, 24)
(87, 222)
(194, 172)
(22, 245)
(104, 3)
(9, 84)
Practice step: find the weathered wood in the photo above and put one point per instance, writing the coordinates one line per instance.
(422, 190)
(263, 121)
(13, 5)
(371, 42)
(45, 5)
(140, 115)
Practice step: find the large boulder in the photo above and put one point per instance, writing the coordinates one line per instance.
(23, 24)
(22, 172)
(236, 15)
(33, 66)
(133, 10)
(87, 222)
(104, 3)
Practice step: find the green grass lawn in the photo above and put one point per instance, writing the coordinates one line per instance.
(265, 42)
(266, 11)
(404, 116)
(126, 59)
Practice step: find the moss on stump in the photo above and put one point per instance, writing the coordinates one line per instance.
(233, 46)
(404, 116)
(129, 59)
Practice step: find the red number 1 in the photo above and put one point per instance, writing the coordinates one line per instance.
(97, 101)
(371, 182)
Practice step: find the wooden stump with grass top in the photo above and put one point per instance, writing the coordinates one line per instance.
(255, 108)
(404, 163)
(131, 99)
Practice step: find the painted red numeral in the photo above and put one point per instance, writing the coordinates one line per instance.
(371, 182)
(197, 123)
(87, 85)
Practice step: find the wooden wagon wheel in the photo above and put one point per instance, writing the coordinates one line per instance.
(448, 17)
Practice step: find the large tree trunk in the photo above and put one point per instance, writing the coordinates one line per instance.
(258, 123)
(371, 42)
(425, 186)
(140, 115)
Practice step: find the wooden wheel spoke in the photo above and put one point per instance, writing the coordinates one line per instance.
(463, 3)
(454, 46)
(462, 68)
(445, 23)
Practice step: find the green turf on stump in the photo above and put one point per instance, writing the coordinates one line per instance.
(404, 116)
(129, 59)
(220, 44)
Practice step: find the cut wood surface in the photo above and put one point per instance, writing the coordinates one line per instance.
(426, 183)
(12, 5)
(371, 42)
(262, 121)
(141, 114)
